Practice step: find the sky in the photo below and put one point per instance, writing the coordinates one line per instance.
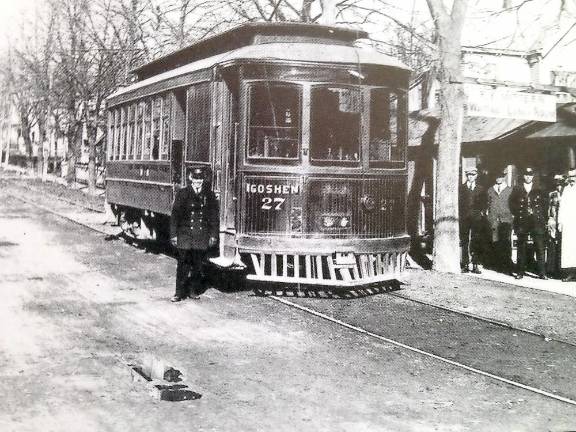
(12, 12)
(534, 21)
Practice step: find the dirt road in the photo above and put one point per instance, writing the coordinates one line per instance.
(76, 310)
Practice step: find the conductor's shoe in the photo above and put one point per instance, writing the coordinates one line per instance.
(476, 270)
(176, 299)
(543, 277)
(194, 297)
(465, 270)
(519, 276)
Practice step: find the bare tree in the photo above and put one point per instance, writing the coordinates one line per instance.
(71, 73)
(34, 61)
(448, 25)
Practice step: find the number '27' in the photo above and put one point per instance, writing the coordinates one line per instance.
(269, 203)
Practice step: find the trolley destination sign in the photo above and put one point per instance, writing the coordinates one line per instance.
(273, 189)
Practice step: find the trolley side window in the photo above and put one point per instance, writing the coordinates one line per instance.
(198, 123)
(156, 115)
(139, 139)
(130, 143)
(117, 134)
(386, 120)
(166, 123)
(147, 145)
(111, 130)
(274, 128)
(124, 138)
(335, 125)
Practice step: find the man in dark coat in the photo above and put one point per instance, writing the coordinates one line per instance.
(500, 220)
(553, 246)
(528, 206)
(193, 230)
(471, 208)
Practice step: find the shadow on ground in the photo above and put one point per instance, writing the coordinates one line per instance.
(309, 291)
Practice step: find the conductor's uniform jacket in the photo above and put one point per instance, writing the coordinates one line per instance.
(194, 218)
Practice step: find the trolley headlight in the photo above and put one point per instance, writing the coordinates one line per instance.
(328, 221)
(368, 202)
(335, 221)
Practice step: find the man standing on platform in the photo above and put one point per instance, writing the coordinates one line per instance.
(472, 206)
(528, 206)
(567, 226)
(500, 224)
(193, 230)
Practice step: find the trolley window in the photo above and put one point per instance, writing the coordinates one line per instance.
(111, 135)
(124, 136)
(130, 143)
(199, 123)
(386, 119)
(117, 134)
(335, 125)
(147, 129)
(166, 122)
(274, 128)
(156, 115)
(139, 129)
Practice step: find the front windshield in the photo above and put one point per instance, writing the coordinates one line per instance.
(274, 121)
(335, 124)
(385, 144)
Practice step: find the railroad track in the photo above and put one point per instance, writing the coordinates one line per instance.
(436, 357)
(375, 335)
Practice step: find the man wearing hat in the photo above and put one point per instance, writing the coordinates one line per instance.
(193, 230)
(529, 209)
(553, 241)
(566, 212)
(500, 220)
(471, 208)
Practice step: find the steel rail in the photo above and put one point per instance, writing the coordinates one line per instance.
(424, 353)
(481, 318)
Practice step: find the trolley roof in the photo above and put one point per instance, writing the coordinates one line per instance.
(250, 34)
(269, 43)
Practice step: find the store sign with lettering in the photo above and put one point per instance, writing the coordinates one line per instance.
(504, 102)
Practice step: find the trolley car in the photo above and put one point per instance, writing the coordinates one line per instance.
(303, 132)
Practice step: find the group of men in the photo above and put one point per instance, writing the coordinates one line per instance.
(488, 216)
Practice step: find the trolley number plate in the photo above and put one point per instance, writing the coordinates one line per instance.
(272, 203)
(344, 258)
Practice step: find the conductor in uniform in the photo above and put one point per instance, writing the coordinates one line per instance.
(193, 230)
(472, 203)
(528, 206)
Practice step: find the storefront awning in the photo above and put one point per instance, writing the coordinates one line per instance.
(488, 129)
(564, 127)
(483, 129)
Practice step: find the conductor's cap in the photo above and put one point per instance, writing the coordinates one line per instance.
(197, 173)
(528, 171)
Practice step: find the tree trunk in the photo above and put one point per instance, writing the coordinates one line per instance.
(91, 160)
(73, 137)
(446, 256)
